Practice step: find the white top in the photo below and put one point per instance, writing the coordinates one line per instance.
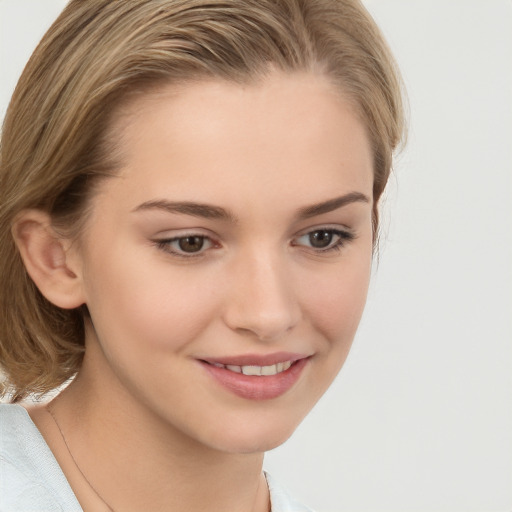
(31, 478)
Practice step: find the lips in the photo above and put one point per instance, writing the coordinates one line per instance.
(257, 377)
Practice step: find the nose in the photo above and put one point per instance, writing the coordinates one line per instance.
(261, 300)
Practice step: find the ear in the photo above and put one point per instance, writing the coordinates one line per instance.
(48, 259)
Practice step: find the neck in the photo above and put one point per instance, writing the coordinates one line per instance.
(135, 460)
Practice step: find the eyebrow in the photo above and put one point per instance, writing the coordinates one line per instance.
(331, 205)
(208, 211)
(205, 211)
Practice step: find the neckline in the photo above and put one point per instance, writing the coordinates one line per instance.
(28, 449)
(22, 435)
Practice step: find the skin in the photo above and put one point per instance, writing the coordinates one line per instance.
(148, 426)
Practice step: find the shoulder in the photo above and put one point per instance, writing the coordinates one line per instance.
(30, 477)
(281, 500)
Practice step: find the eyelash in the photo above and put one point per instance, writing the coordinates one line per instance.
(165, 245)
(343, 238)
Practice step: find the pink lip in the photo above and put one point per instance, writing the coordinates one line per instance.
(253, 387)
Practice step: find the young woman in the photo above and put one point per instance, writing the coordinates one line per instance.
(188, 208)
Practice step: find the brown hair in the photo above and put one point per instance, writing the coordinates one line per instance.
(55, 143)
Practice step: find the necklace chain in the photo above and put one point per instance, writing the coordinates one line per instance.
(52, 414)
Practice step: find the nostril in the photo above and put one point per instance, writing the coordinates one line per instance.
(264, 328)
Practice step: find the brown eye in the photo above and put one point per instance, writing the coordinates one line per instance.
(320, 239)
(186, 246)
(323, 241)
(191, 243)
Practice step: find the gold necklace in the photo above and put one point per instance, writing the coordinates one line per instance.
(52, 414)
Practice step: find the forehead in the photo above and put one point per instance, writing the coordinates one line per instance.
(286, 135)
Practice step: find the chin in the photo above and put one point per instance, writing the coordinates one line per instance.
(254, 437)
(256, 444)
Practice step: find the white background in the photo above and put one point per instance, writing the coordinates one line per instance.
(420, 419)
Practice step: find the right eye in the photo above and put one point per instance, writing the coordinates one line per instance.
(186, 246)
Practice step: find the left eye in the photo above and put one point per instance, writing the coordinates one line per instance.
(324, 239)
(186, 245)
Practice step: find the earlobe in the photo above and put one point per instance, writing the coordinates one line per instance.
(46, 259)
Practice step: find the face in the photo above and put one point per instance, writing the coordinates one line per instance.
(226, 267)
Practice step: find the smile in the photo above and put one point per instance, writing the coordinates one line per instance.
(265, 381)
(262, 371)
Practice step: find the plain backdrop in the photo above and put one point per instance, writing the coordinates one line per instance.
(420, 418)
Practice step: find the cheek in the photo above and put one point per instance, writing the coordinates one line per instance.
(333, 301)
(149, 305)
(336, 301)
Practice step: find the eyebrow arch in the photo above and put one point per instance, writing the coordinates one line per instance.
(205, 211)
(332, 204)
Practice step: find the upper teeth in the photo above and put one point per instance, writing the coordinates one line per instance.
(273, 369)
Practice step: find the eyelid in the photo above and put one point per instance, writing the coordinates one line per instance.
(167, 234)
(327, 227)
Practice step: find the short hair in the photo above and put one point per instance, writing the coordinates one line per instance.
(56, 145)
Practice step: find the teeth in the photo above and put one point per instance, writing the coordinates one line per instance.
(251, 370)
(270, 370)
(273, 369)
